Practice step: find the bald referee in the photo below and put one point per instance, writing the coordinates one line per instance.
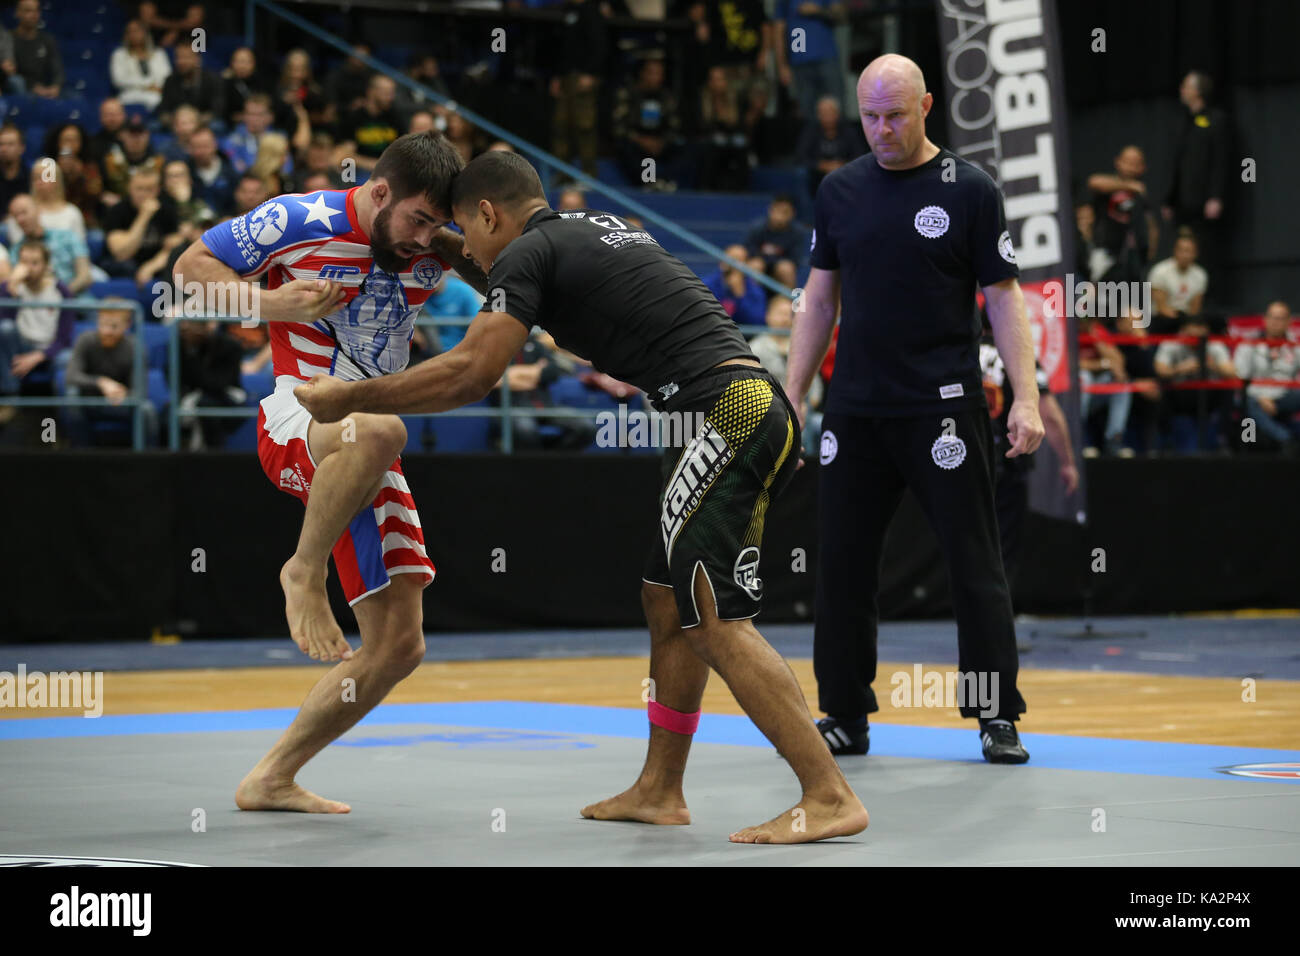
(903, 236)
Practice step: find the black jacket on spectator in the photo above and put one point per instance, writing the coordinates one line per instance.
(204, 91)
(163, 224)
(9, 188)
(37, 60)
(774, 245)
(234, 91)
(1201, 166)
(584, 40)
(847, 145)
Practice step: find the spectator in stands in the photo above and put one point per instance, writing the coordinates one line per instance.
(584, 49)
(742, 298)
(214, 176)
(209, 378)
(347, 86)
(773, 348)
(83, 184)
(69, 258)
(133, 152)
(172, 21)
(185, 122)
(297, 91)
(452, 298)
(776, 245)
(813, 70)
(1085, 221)
(1101, 363)
(1125, 233)
(139, 228)
(423, 68)
(32, 335)
(1201, 169)
(764, 133)
(462, 134)
(421, 121)
(191, 85)
(537, 366)
(366, 132)
(647, 125)
(138, 68)
(735, 35)
(1178, 285)
(241, 145)
(36, 53)
(314, 182)
(239, 81)
(1275, 358)
(102, 365)
(250, 192)
(112, 119)
(1140, 370)
(273, 162)
(724, 145)
(319, 161)
(571, 197)
(1178, 362)
(15, 176)
(828, 142)
(178, 183)
(501, 146)
(49, 192)
(11, 82)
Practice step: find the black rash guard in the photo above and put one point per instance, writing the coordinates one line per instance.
(609, 293)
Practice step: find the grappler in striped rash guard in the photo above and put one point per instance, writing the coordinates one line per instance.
(348, 273)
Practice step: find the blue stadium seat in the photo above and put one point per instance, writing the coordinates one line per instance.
(243, 438)
(95, 243)
(117, 288)
(417, 433)
(569, 391)
(460, 434)
(156, 337)
(258, 385)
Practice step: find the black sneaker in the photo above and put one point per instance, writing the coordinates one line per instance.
(1001, 743)
(843, 738)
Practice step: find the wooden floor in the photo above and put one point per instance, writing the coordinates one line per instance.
(1083, 703)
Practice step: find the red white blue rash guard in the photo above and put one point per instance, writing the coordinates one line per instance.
(316, 236)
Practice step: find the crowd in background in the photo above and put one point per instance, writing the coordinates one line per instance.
(186, 142)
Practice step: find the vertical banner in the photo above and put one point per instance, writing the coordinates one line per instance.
(1006, 114)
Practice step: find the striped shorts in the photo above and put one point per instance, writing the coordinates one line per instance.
(381, 540)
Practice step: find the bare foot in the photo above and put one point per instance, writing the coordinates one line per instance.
(811, 820)
(642, 807)
(256, 793)
(307, 608)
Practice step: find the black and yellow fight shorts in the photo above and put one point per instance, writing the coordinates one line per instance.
(739, 449)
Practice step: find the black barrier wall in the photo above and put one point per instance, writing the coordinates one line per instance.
(125, 545)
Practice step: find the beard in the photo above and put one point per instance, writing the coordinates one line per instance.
(381, 244)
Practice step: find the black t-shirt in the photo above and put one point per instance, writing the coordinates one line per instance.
(910, 246)
(163, 223)
(370, 131)
(1121, 221)
(610, 294)
(999, 394)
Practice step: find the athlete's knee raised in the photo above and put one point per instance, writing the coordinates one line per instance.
(383, 436)
(403, 653)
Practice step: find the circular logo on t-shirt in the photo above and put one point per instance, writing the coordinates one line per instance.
(427, 272)
(931, 222)
(830, 445)
(268, 223)
(948, 451)
(1005, 249)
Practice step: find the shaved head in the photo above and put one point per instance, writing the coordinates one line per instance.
(893, 104)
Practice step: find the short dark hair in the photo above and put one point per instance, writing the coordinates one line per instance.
(39, 246)
(502, 178)
(420, 163)
(785, 198)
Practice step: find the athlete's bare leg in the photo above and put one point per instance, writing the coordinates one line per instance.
(769, 693)
(679, 677)
(351, 458)
(392, 645)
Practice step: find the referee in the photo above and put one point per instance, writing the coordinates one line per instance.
(611, 294)
(903, 236)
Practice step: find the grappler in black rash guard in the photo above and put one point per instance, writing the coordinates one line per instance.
(609, 293)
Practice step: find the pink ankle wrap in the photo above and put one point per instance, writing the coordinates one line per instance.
(673, 720)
